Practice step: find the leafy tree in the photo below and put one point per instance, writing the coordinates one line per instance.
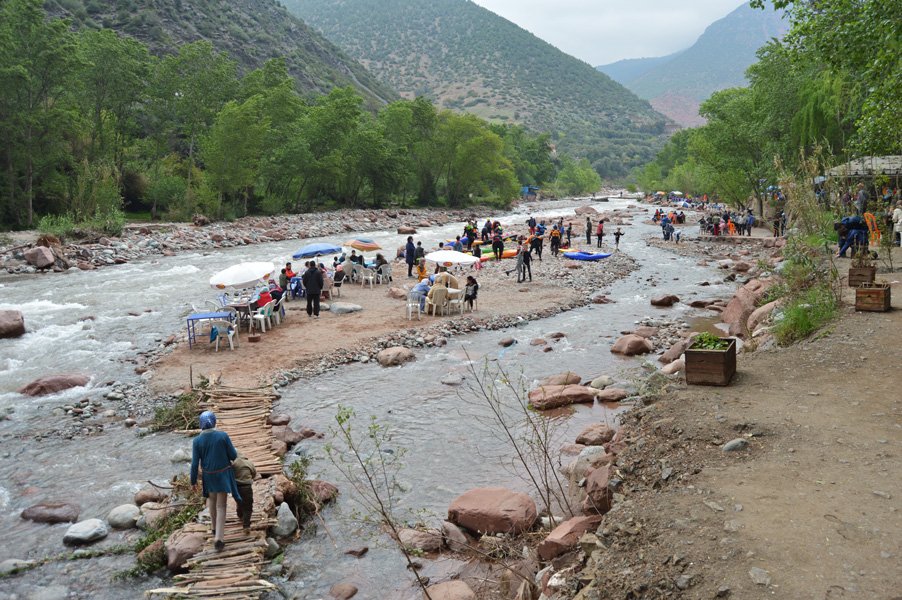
(577, 178)
(471, 159)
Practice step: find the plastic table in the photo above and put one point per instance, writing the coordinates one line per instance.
(196, 317)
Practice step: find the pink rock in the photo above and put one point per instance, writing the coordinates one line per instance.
(152, 495)
(451, 590)
(405, 230)
(52, 384)
(759, 314)
(566, 535)
(279, 419)
(666, 300)
(562, 379)
(52, 512)
(396, 293)
(631, 345)
(596, 434)
(611, 395)
(454, 537)
(343, 591)
(323, 491)
(674, 367)
(424, 223)
(585, 210)
(645, 332)
(538, 342)
(555, 396)
(426, 541)
(598, 496)
(286, 434)
(674, 352)
(12, 324)
(741, 266)
(493, 510)
(181, 547)
(39, 257)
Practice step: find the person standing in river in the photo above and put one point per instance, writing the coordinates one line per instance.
(212, 451)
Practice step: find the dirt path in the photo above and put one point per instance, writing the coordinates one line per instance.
(813, 501)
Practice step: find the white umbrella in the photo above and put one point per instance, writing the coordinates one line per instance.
(242, 275)
(449, 258)
(676, 193)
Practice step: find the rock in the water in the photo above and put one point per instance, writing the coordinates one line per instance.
(279, 419)
(85, 532)
(645, 332)
(665, 300)
(508, 341)
(342, 308)
(631, 345)
(392, 357)
(566, 535)
(286, 523)
(52, 512)
(39, 257)
(323, 491)
(12, 324)
(585, 210)
(453, 379)
(562, 379)
(286, 434)
(595, 435)
(405, 230)
(11, 564)
(427, 541)
(123, 516)
(451, 590)
(454, 537)
(735, 445)
(180, 455)
(538, 342)
(555, 396)
(612, 394)
(343, 591)
(52, 384)
(493, 510)
(181, 547)
(599, 383)
(272, 548)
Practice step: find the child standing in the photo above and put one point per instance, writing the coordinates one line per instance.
(617, 235)
(245, 472)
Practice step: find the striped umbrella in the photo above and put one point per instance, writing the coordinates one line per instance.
(363, 244)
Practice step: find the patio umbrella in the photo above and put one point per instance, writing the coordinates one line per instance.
(242, 275)
(449, 258)
(363, 244)
(677, 193)
(318, 249)
(659, 194)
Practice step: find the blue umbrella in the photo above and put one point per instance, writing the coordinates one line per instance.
(313, 250)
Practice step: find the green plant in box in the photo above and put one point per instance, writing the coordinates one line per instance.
(709, 341)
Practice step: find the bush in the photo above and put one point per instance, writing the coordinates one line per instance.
(804, 313)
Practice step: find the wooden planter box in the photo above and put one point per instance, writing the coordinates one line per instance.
(859, 275)
(873, 297)
(711, 367)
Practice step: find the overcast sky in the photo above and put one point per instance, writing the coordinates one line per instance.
(604, 31)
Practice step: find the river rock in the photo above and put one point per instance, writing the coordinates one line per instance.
(11, 564)
(279, 419)
(426, 541)
(396, 293)
(52, 512)
(645, 332)
(323, 491)
(343, 308)
(631, 345)
(180, 455)
(392, 357)
(451, 590)
(674, 352)
(538, 342)
(585, 210)
(507, 342)
(612, 395)
(39, 257)
(562, 379)
(598, 497)
(286, 434)
(744, 299)
(123, 516)
(599, 383)
(343, 591)
(286, 522)
(590, 458)
(151, 512)
(493, 510)
(566, 535)
(181, 547)
(454, 537)
(424, 223)
(674, 367)
(52, 384)
(405, 230)
(665, 300)
(555, 396)
(595, 435)
(760, 314)
(85, 532)
(12, 324)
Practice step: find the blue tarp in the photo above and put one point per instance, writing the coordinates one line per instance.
(312, 250)
(586, 256)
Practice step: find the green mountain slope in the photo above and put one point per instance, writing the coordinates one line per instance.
(628, 69)
(716, 61)
(469, 59)
(251, 31)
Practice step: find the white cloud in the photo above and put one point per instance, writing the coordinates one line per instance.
(604, 32)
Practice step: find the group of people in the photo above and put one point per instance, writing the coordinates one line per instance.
(427, 288)
(728, 222)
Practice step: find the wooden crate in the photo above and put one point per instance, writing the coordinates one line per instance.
(873, 297)
(859, 275)
(711, 367)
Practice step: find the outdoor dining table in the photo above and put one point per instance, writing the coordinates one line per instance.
(193, 319)
(244, 313)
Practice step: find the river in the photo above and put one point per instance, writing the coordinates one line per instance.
(451, 448)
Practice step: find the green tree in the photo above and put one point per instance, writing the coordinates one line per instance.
(577, 178)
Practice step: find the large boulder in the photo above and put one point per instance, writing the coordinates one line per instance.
(85, 532)
(759, 315)
(599, 497)
(554, 396)
(426, 541)
(451, 590)
(665, 300)
(744, 300)
(39, 257)
(674, 352)
(566, 535)
(286, 434)
(562, 379)
(123, 516)
(405, 230)
(12, 324)
(323, 491)
(52, 384)
(585, 210)
(392, 357)
(181, 547)
(493, 510)
(52, 512)
(286, 522)
(631, 345)
(343, 308)
(595, 434)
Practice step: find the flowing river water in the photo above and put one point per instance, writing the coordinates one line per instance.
(450, 444)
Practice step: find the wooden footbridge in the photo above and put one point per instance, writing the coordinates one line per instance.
(235, 572)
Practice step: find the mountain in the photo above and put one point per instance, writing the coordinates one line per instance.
(469, 59)
(250, 31)
(628, 69)
(716, 61)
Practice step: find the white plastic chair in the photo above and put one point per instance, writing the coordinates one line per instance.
(336, 285)
(413, 303)
(328, 284)
(278, 311)
(224, 329)
(384, 273)
(367, 276)
(356, 272)
(264, 315)
(456, 300)
(438, 301)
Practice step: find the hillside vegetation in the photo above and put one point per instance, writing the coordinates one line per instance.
(250, 31)
(468, 59)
